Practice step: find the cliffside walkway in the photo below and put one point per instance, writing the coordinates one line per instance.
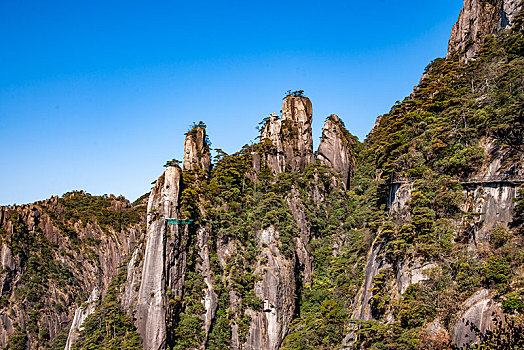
(476, 180)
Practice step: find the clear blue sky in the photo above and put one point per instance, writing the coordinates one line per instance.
(97, 95)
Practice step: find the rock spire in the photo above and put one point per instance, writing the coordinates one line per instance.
(196, 149)
(478, 19)
(335, 148)
(290, 136)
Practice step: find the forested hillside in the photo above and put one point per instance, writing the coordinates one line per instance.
(410, 239)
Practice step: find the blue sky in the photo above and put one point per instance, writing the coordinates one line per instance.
(97, 95)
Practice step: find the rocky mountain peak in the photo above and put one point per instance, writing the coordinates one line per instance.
(196, 149)
(290, 136)
(477, 19)
(271, 130)
(297, 114)
(297, 109)
(335, 148)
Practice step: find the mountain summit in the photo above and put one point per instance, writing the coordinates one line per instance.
(479, 19)
(410, 239)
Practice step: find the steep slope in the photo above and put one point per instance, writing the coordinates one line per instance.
(412, 239)
(449, 161)
(55, 254)
(335, 149)
(232, 277)
(477, 20)
(290, 136)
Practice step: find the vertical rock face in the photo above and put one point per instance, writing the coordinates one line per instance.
(411, 273)
(210, 297)
(277, 289)
(271, 133)
(92, 267)
(494, 203)
(398, 198)
(165, 255)
(478, 311)
(297, 115)
(196, 150)
(305, 259)
(150, 309)
(335, 148)
(478, 19)
(375, 263)
(80, 315)
(291, 136)
(376, 126)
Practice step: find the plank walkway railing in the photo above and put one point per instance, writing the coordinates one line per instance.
(476, 180)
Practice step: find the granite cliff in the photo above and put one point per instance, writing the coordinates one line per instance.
(477, 20)
(411, 239)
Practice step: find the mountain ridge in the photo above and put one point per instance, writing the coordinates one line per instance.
(295, 249)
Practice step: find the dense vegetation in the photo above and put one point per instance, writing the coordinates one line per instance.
(44, 280)
(109, 212)
(459, 118)
(437, 136)
(109, 327)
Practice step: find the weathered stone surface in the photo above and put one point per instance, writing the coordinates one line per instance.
(297, 115)
(411, 273)
(277, 288)
(375, 263)
(6, 257)
(132, 284)
(294, 202)
(376, 125)
(196, 150)
(274, 159)
(479, 310)
(151, 310)
(91, 268)
(291, 136)
(495, 204)
(398, 199)
(210, 301)
(478, 19)
(361, 307)
(493, 201)
(335, 148)
(80, 316)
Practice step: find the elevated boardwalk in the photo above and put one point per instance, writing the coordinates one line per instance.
(475, 181)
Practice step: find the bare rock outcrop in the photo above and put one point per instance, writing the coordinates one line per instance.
(478, 19)
(80, 316)
(335, 148)
(209, 301)
(272, 135)
(151, 310)
(412, 272)
(294, 202)
(87, 252)
(277, 289)
(290, 138)
(493, 201)
(398, 198)
(375, 263)
(196, 149)
(162, 271)
(479, 311)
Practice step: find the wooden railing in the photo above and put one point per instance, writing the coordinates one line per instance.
(512, 179)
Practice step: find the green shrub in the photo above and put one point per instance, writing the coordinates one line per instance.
(497, 271)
